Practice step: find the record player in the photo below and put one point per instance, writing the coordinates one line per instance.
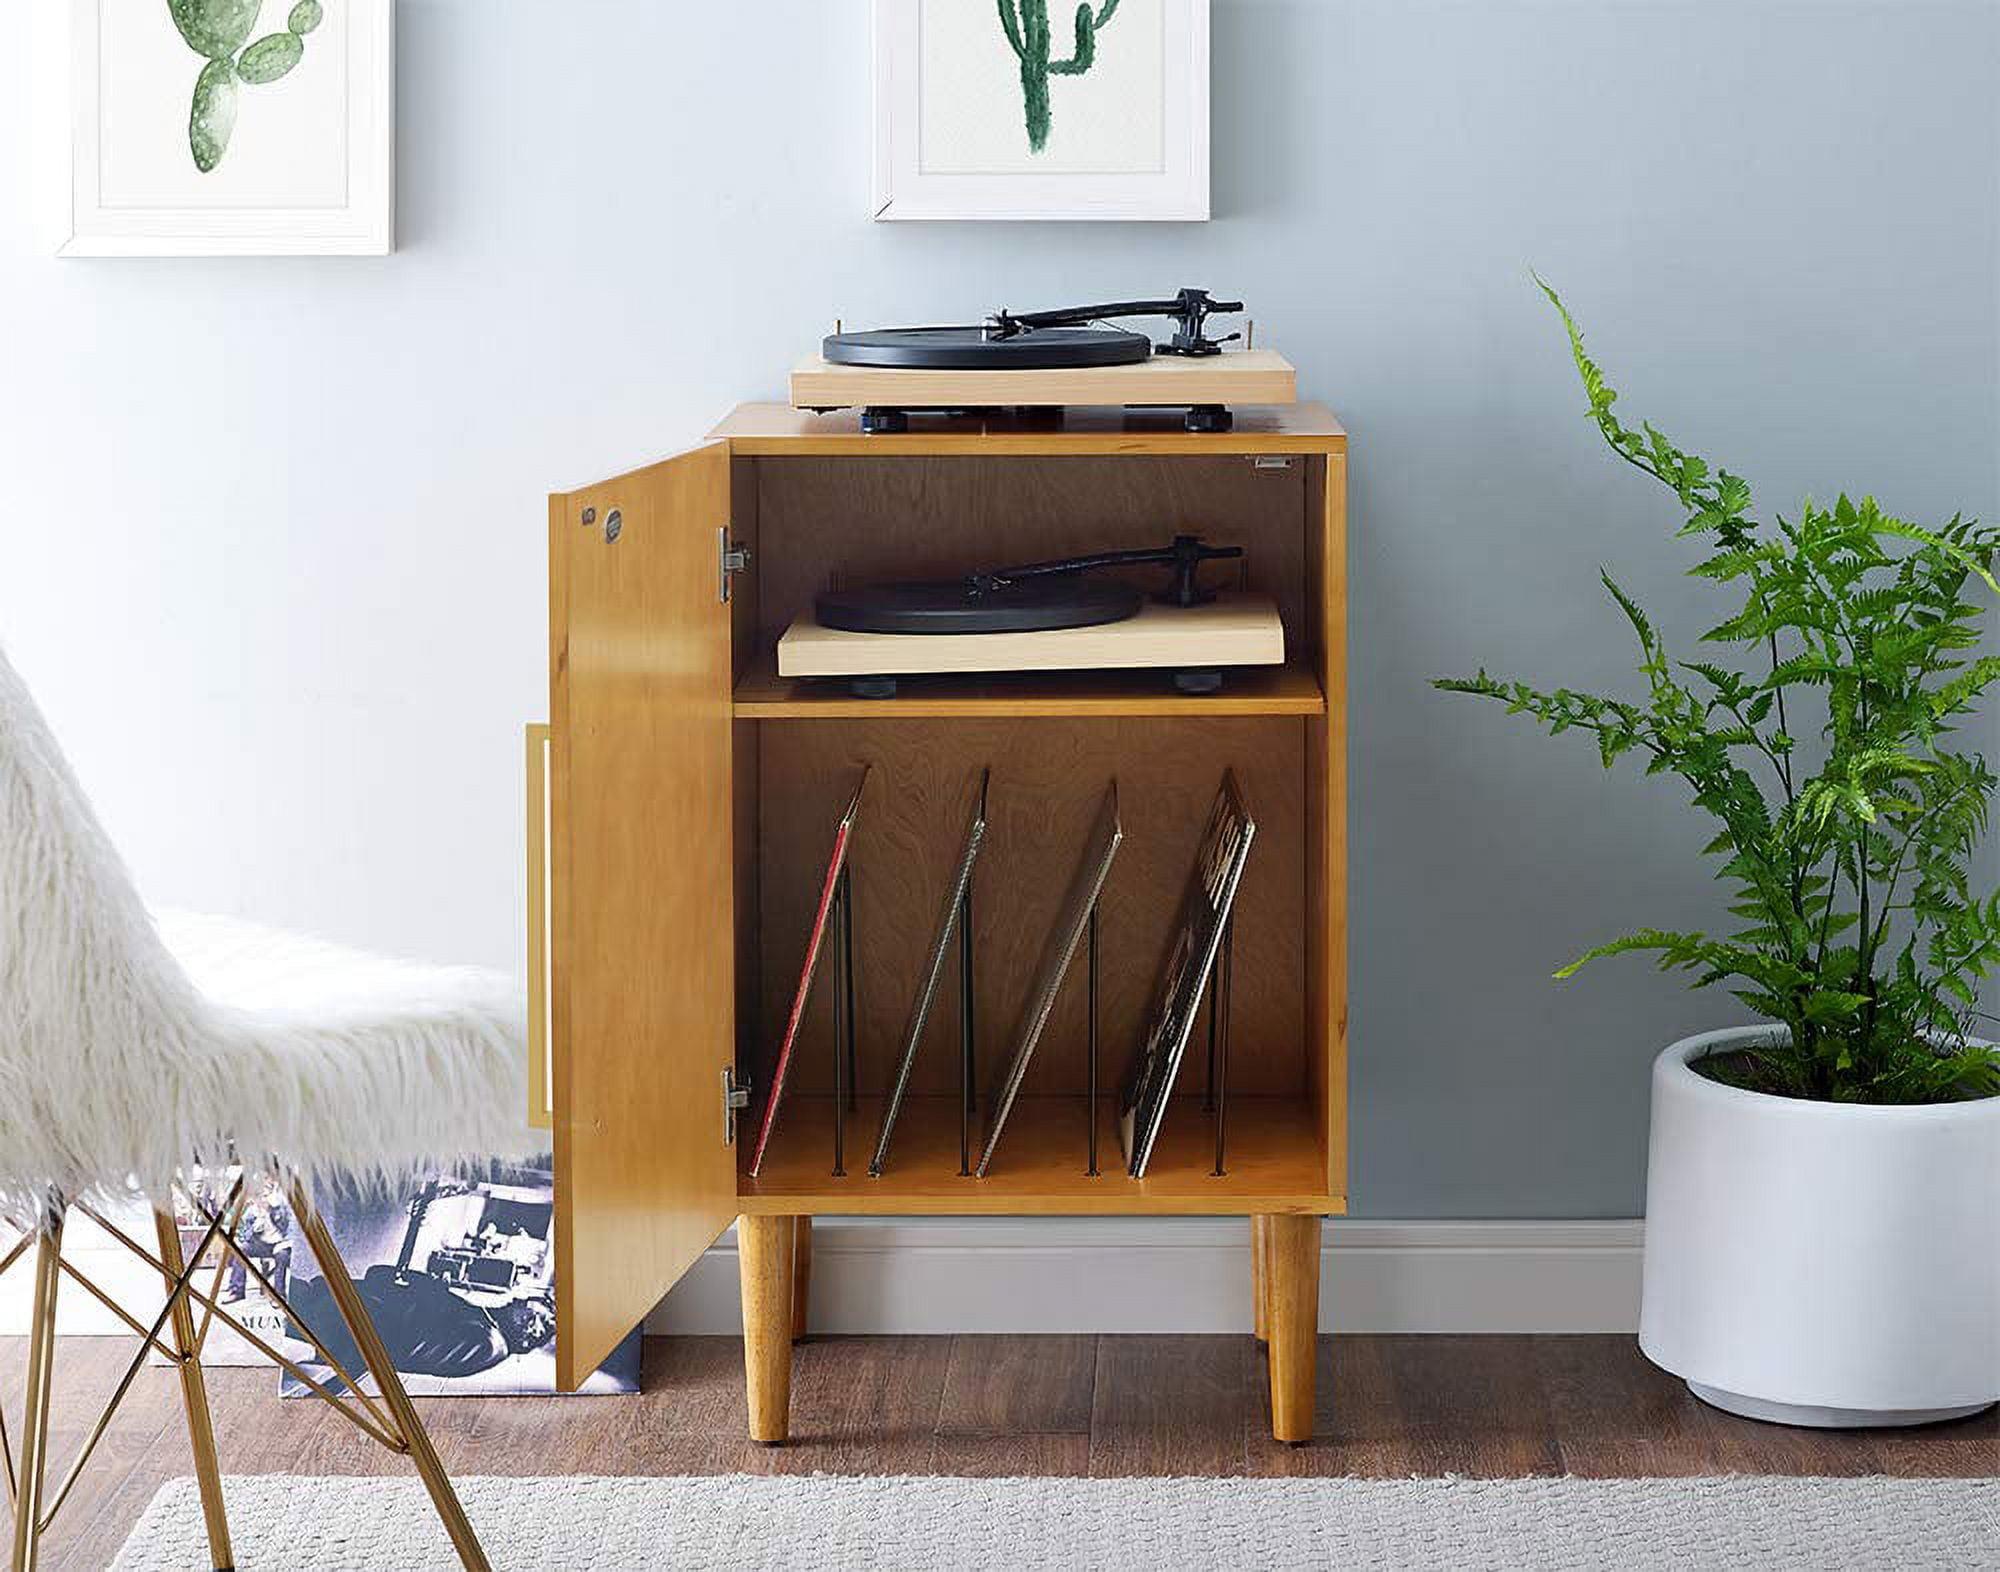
(1040, 616)
(1037, 363)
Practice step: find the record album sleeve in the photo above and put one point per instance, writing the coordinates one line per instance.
(836, 864)
(1205, 909)
(927, 989)
(1072, 919)
(457, 1271)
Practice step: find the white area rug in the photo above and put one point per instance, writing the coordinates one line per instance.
(738, 1522)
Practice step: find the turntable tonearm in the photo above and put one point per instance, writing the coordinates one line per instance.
(1041, 616)
(1039, 362)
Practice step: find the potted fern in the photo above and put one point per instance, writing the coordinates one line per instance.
(1823, 1188)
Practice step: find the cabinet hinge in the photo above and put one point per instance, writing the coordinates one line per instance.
(734, 1100)
(732, 556)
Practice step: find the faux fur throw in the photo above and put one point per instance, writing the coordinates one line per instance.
(129, 1049)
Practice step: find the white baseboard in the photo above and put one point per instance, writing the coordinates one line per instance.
(1185, 1275)
(1170, 1274)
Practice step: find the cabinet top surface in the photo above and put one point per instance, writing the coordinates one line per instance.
(1260, 428)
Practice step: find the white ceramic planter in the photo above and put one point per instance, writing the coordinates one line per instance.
(1821, 1263)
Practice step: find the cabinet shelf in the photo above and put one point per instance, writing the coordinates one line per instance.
(1290, 689)
(1275, 1162)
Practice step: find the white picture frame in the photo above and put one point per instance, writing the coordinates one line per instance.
(973, 179)
(117, 185)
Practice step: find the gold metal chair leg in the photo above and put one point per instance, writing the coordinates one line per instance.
(41, 1379)
(194, 1398)
(355, 1313)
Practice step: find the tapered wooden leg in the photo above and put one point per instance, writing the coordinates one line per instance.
(1260, 1275)
(1293, 1275)
(802, 1276)
(415, 1439)
(194, 1398)
(765, 1249)
(35, 1410)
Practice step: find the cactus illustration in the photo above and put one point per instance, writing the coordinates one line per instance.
(1027, 27)
(218, 31)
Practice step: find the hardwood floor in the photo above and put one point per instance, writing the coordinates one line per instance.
(1389, 1406)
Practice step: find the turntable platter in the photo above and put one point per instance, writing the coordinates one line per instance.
(946, 606)
(979, 349)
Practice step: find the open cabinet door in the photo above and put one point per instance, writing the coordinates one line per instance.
(643, 927)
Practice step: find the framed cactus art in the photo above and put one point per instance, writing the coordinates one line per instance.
(1028, 109)
(220, 127)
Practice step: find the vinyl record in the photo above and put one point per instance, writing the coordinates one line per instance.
(971, 349)
(949, 606)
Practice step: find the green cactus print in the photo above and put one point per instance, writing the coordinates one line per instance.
(270, 58)
(1026, 23)
(217, 30)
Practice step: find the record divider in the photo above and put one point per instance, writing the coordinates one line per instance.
(843, 1017)
(1091, 1172)
(847, 968)
(1218, 1052)
(1215, 1094)
(967, 1068)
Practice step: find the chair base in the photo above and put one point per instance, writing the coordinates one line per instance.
(389, 1418)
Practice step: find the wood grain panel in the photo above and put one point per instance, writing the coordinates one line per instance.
(1061, 1456)
(1292, 1259)
(862, 519)
(779, 430)
(1326, 809)
(766, 1252)
(744, 588)
(1048, 778)
(1293, 689)
(1461, 1411)
(1591, 1402)
(1232, 630)
(1170, 1405)
(870, 1393)
(1275, 1164)
(541, 1092)
(1356, 1428)
(745, 653)
(643, 932)
(1249, 376)
(1019, 1385)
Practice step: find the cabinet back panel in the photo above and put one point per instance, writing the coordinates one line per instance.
(1048, 778)
(826, 522)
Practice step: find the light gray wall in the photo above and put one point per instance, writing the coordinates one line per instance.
(273, 530)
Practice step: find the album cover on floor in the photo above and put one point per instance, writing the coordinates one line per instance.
(927, 989)
(264, 1234)
(458, 1274)
(1211, 892)
(1071, 921)
(836, 865)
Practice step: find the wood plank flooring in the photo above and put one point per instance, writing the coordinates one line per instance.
(1389, 1406)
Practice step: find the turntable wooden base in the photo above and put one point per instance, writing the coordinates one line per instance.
(1250, 376)
(1231, 630)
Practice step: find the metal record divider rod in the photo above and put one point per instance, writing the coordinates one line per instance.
(847, 968)
(1092, 1170)
(843, 1016)
(967, 1062)
(1208, 1086)
(1220, 975)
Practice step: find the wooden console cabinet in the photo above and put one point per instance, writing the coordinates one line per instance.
(692, 793)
